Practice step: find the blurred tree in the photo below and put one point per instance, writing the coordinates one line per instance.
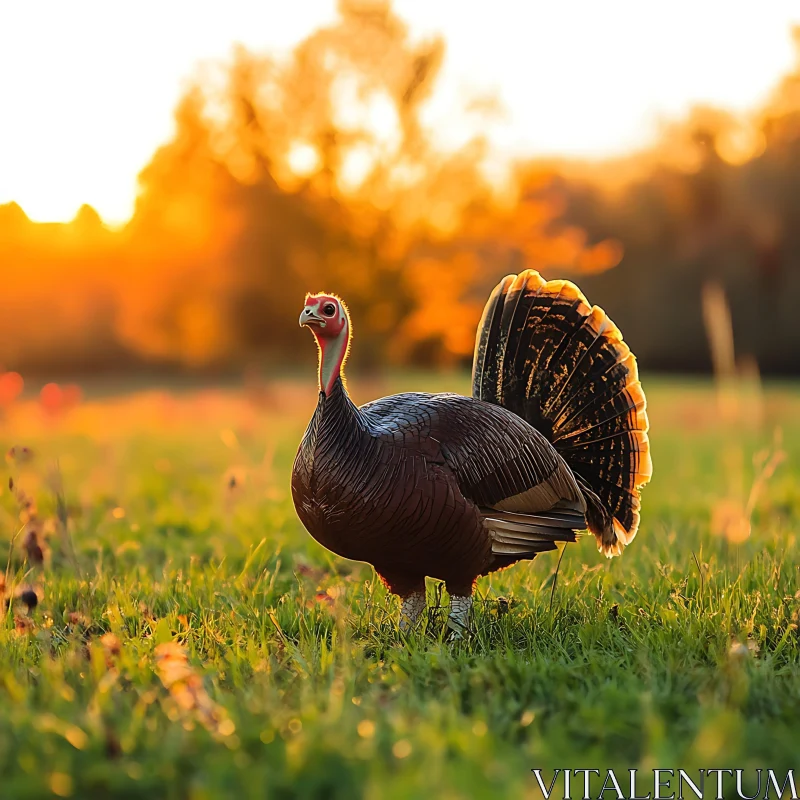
(717, 205)
(316, 172)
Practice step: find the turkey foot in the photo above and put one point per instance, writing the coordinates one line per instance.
(413, 605)
(458, 620)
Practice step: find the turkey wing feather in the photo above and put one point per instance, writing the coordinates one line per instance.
(499, 460)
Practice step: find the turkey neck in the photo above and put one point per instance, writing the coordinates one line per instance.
(336, 424)
(332, 354)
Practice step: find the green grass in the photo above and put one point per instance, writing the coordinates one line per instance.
(311, 689)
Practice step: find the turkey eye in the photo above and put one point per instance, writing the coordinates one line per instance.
(329, 309)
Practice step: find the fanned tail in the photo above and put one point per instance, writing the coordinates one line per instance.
(544, 353)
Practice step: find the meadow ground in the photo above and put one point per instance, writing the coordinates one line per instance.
(198, 644)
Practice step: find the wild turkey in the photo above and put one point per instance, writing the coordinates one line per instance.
(552, 441)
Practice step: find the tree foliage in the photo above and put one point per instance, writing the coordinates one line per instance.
(317, 172)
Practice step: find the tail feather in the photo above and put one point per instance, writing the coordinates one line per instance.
(561, 364)
(601, 411)
(491, 339)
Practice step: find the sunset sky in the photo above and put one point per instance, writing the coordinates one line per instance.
(88, 88)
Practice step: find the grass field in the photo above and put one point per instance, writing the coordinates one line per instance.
(287, 676)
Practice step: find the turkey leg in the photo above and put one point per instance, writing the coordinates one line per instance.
(458, 621)
(413, 605)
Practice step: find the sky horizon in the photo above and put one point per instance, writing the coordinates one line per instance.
(88, 89)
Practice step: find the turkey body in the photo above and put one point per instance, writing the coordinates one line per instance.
(412, 482)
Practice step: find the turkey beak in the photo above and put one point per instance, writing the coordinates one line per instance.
(309, 317)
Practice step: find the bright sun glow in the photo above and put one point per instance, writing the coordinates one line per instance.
(87, 88)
